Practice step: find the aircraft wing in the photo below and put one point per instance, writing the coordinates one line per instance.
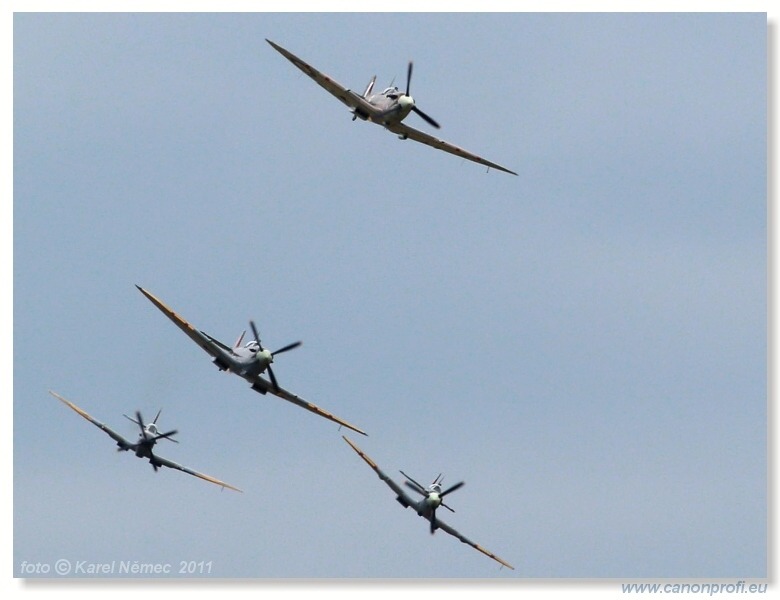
(263, 386)
(205, 341)
(348, 97)
(444, 527)
(429, 140)
(227, 349)
(403, 497)
(163, 462)
(121, 442)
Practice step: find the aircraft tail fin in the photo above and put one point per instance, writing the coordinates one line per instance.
(240, 339)
(369, 87)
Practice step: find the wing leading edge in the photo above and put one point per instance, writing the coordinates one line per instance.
(348, 97)
(121, 442)
(444, 527)
(206, 342)
(264, 386)
(434, 142)
(403, 497)
(164, 462)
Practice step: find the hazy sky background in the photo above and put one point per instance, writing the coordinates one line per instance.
(584, 345)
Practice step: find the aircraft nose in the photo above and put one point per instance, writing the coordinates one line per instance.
(406, 101)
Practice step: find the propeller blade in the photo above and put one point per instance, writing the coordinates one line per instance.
(422, 489)
(408, 77)
(273, 378)
(167, 436)
(141, 423)
(131, 419)
(415, 488)
(452, 489)
(157, 417)
(426, 118)
(257, 335)
(286, 348)
(433, 521)
(447, 507)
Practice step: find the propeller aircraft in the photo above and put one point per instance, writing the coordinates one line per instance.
(432, 498)
(388, 108)
(149, 436)
(248, 361)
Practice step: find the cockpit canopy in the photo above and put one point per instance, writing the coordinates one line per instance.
(391, 92)
(152, 428)
(253, 346)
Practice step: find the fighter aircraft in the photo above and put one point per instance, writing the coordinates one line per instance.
(433, 498)
(146, 441)
(388, 108)
(249, 361)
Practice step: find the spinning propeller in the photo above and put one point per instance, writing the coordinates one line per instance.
(406, 101)
(432, 493)
(269, 356)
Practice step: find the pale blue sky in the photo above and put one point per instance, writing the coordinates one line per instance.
(584, 345)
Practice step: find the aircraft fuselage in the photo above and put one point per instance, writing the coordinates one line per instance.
(143, 449)
(424, 507)
(244, 362)
(393, 103)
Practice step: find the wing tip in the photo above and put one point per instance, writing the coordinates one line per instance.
(500, 168)
(341, 422)
(205, 477)
(486, 552)
(276, 47)
(61, 399)
(361, 454)
(351, 443)
(144, 291)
